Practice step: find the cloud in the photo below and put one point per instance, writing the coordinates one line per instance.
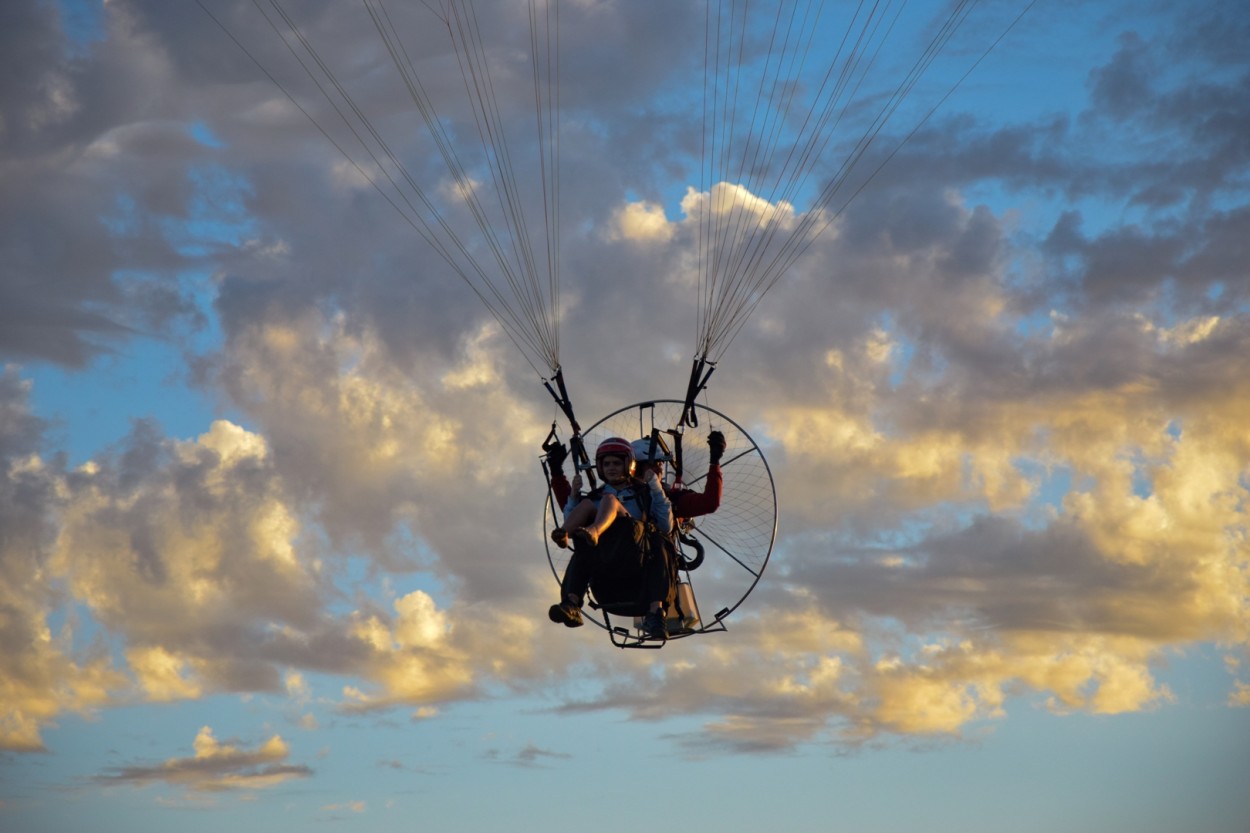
(42, 672)
(162, 674)
(414, 660)
(641, 221)
(96, 197)
(191, 554)
(216, 767)
(1003, 400)
(855, 689)
(188, 550)
(528, 756)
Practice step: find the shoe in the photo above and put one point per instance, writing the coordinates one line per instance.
(653, 625)
(587, 536)
(560, 537)
(566, 614)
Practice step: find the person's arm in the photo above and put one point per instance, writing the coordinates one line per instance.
(661, 509)
(573, 495)
(560, 488)
(689, 504)
(557, 453)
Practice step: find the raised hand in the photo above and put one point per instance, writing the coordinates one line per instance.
(715, 446)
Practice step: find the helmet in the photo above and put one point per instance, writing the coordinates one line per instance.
(616, 447)
(642, 452)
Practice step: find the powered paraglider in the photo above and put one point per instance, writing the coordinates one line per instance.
(795, 97)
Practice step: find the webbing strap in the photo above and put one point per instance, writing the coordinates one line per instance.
(698, 381)
(562, 398)
(581, 460)
(677, 458)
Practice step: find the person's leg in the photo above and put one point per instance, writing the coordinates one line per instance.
(657, 578)
(580, 515)
(568, 611)
(577, 576)
(609, 510)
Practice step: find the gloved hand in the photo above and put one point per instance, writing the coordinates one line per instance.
(557, 452)
(715, 447)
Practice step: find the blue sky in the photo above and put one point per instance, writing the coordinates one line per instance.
(271, 536)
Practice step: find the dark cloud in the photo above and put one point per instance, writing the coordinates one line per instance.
(534, 756)
(1122, 87)
(32, 46)
(998, 575)
(97, 182)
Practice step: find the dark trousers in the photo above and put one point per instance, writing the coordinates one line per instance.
(622, 578)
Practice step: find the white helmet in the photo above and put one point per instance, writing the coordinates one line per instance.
(642, 452)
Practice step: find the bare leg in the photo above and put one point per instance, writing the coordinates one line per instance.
(580, 515)
(609, 510)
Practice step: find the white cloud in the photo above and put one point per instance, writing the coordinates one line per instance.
(641, 221)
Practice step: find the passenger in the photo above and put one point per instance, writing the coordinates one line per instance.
(606, 519)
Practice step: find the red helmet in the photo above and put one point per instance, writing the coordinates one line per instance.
(615, 447)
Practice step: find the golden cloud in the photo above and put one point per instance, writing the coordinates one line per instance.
(216, 767)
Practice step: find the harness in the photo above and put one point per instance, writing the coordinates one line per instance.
(651, 546)
(643, 495)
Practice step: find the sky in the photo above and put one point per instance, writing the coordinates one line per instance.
(271, 508)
